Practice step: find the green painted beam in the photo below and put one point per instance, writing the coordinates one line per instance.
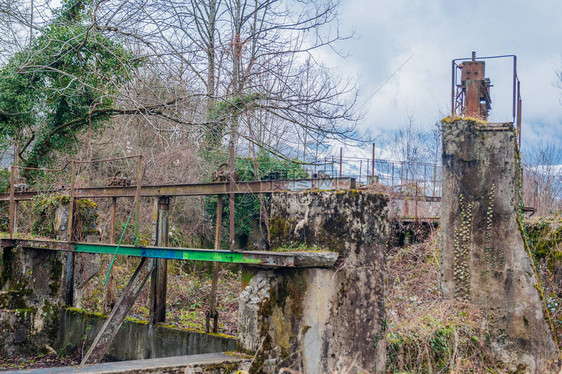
(266, 259)
(171, 253)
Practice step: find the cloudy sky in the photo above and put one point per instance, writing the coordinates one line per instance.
(430, 33)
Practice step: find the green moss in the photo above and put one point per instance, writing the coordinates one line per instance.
(300, 248)
(136, 320)
(454, 119)
(224, 368)
(55, 277)
(281, 227)
(6, 270)
(247, 276)
(85, 313)
(545, 237)
(44, 208)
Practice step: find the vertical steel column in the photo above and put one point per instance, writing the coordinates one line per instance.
(71, 202)
(112, 221)
(416, 201)
(514, 85)
(231, 198)
(434, 178)
(12, 197)
(360, 167)
(518, 119)
(137, 198)
(16, 205)
(453, 82)
(69, 292)
(159, 278)
(212, 312)
(341, 159)
(373, 162)
(424, 179)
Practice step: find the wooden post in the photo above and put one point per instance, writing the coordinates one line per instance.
(117, 316)
(159, 278)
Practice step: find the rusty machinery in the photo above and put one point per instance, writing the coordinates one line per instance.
(470, 90)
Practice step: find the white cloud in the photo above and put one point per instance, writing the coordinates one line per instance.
(435, 32)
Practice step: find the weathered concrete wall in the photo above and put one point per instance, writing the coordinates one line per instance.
(316, 320)
(132, 343)
(30, 298)
(483, 258)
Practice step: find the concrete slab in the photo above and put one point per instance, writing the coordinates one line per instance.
(156, 365)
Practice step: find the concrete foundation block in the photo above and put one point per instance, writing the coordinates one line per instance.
(316, 320)
(483, 257)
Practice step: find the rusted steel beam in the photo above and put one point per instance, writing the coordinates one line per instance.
(117, 316)
(200, 189)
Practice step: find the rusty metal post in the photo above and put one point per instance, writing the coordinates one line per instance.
(109, 296)
(434, 178)
(119, 312)
(519, 104)
(373, 162)
(16, 205)
(112, 221)
(159, 278)
(69, 287)
(416, 201)
(514, 85)
(71, 202)
(424, 179)
(212, 312)
(453, 83)
(12, 193)
(360, 167)
(137, 198)
(341, 160)
(231, 198)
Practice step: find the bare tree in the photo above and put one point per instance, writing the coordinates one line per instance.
(247, 57)
(542, 177)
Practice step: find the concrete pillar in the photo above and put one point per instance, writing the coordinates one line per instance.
(483, 257)
(316, 320)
